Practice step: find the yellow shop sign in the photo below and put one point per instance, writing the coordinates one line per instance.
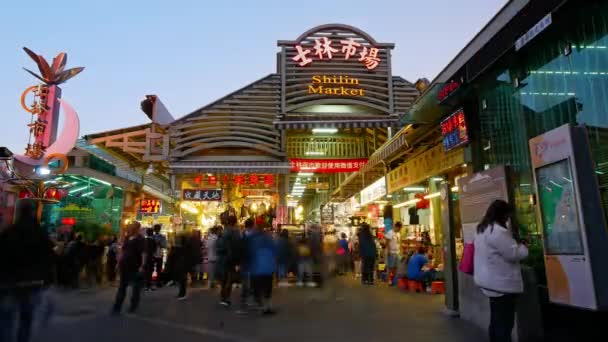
(427, 164)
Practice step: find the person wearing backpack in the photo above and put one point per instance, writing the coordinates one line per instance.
(497, 268)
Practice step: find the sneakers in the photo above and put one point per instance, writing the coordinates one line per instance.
(311, 284)
(180, 298)
(225, 303)
(300, 284)
(283, 283)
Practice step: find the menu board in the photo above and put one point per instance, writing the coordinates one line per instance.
(561, 225)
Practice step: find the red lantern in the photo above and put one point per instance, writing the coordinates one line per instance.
(25, 194)
(50, 193)
(423, 203)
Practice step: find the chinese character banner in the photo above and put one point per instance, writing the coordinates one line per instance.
(326, 165)
(201, 195)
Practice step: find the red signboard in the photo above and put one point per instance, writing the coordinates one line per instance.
(447, 90)
(454, 130)
(241, 179)
(150, 206)
(326, 165)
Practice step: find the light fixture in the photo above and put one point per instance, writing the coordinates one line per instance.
(88, 193)
(324, 130)
(305, 174)
(433, 195)
(77, 189)
(436, 179)
(407, 203)
(314, 153)
(43, 171)
(413, 188)
(101, 181)
(454, 189)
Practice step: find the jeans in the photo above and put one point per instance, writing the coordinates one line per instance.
(17, 314)
(304, 269)
(368, 270)
(135, 279)
(502, 317)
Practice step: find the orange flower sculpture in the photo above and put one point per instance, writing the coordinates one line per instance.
(52, 74)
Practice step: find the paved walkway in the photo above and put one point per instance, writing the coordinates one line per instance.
(346, 311)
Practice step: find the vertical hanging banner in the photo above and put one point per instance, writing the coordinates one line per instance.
(327, 214)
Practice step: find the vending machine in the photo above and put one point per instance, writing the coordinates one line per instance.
(571, 217)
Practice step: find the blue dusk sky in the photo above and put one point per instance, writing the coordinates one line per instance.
(192, 52)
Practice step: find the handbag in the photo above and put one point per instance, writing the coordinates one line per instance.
(468, 256)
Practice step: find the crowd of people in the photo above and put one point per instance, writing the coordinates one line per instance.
(250, 256)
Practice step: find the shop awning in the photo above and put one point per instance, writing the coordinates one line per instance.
(188, 167)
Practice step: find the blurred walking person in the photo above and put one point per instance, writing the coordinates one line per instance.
(157, 259)
(131, 268)
(343, 254)
(112, 260)
(181, 264)
(229, 251)
(305, 263)
(75, 256)
(262, 255)
(26, 261)
(368, 253)
(210, 247)
(284, 250)
(356, 255)
(150, 250)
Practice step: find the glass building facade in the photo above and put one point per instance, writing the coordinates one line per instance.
(559, 77)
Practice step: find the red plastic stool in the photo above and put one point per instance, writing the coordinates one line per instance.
(402, 283)
(437, 287)
(415, 286)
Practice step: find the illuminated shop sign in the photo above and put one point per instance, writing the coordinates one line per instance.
(202, 195)
(150, 206)
(327, 165)
(339, 85)
(373, 192)
(325, 49)
(447, 90)
(454, 130)
(244, 179)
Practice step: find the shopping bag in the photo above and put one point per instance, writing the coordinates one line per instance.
(468, 256)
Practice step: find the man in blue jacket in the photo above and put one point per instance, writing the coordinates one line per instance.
(262, 255)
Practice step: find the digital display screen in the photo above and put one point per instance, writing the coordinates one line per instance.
(557, 201)
(454, 130)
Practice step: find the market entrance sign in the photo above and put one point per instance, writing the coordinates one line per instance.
(325, 48)
(339, 85)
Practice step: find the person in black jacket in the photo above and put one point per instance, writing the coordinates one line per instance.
(230, 250)
(26, 261)
(368, 253)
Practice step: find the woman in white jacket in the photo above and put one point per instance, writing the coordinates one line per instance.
(497, 268)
